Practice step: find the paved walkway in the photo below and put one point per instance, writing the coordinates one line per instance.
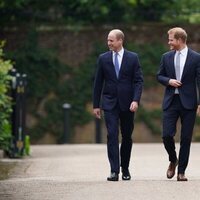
(78, 172)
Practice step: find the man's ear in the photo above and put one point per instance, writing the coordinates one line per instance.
(180, 40)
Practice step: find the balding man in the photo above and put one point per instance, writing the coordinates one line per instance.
(180, 74)
(118, 86)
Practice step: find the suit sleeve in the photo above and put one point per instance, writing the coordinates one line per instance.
(161, 74)
(98, 84)
(138, 82)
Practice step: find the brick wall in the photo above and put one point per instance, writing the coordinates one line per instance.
(73, 46)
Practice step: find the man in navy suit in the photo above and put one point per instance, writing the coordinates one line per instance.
(117, 91)
(180, 73)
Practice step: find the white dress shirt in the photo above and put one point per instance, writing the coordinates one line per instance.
(183, 56)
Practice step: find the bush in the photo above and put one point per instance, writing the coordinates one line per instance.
(5, 102)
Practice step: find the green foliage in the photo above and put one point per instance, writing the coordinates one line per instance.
(44, 73)
(5, 102)
(150, 118)
(151, 10)
(149, 55)
(198, 120)
(76, 12)
(50, 85)
(183, 11)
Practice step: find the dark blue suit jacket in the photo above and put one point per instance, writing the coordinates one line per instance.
(190, 79)
(108, 89)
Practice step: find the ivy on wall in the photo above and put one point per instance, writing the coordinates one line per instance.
(149, 55)
(51, 84)
(150, 118)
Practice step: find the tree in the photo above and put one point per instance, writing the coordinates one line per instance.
(183, 11)
(97, 11)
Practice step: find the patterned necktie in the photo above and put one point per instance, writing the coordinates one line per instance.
(177, 67)
(116, 64)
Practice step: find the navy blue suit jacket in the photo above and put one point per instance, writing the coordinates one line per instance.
(108, 89)
(190, 79)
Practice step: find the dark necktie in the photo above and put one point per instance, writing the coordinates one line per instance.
(116, 64)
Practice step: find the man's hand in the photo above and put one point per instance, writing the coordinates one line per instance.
(134, 106)
(97, 112)
(198, 110)
(175, 83)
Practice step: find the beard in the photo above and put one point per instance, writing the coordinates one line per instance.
(174, 47)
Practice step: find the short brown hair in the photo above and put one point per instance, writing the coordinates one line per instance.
(179, 33)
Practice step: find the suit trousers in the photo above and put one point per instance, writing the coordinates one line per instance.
(170, 118)
(114, 120)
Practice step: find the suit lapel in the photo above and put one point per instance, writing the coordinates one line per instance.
(171, 62)
(110, 60)
(123, 64)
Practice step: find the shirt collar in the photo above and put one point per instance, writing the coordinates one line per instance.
(183, 51)
(120, 53)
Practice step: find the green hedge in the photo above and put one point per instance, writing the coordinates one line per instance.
(5, 102)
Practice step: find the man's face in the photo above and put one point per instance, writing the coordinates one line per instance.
(174, 44)
(113, 43)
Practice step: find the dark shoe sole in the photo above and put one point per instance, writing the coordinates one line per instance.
(182, 180)
(108, 179)
(126, 179)
(179, 179)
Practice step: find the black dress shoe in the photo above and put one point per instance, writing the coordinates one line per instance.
(126, 175)
(113, 177)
